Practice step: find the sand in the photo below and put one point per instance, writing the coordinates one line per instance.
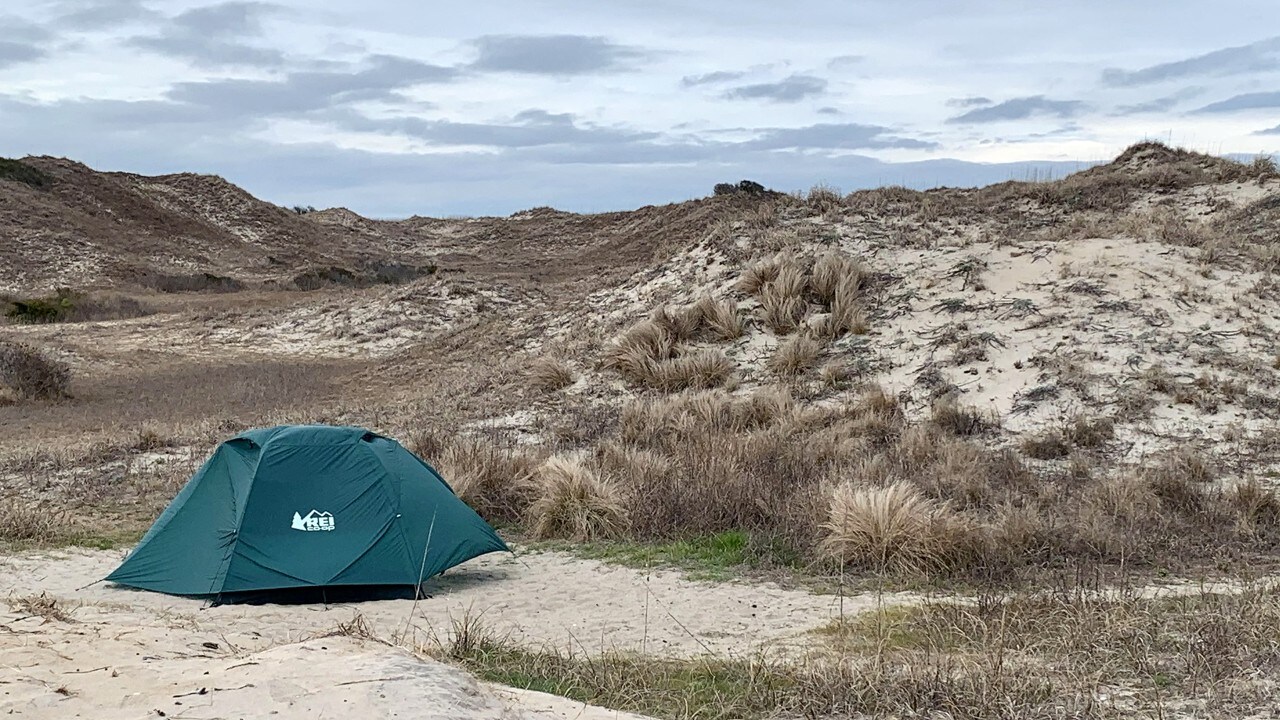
(127, 653)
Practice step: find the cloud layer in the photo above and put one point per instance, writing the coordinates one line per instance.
(394, 108)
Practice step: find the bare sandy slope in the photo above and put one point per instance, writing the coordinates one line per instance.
(127, 653)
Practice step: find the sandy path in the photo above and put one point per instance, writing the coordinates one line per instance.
(129, 653)
(539, 599)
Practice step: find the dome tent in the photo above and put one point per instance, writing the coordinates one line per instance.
(306, 506)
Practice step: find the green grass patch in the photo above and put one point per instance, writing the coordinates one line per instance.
(18, 171)
(717, 557)
(712, 688)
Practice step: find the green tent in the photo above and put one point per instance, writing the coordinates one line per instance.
(306, 506)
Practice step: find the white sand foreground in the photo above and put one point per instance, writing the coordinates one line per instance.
(128, 654)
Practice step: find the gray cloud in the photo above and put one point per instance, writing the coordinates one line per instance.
(1020, 109)
(530, 128)
(967, 102)
(1248, 101)
(178, 138)
(1160, 104)
(712, 78)
(843, 62)
(208, 52)
(213, 36)
(102, 14)
(552, 54)
(228, 19)
(1255, 57)
(843, 136)
(1269, 131)
(828, 110)
(302, 92)
(13, 53)
(22, 31)
(791, 89)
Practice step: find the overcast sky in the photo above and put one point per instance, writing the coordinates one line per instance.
(405, 107)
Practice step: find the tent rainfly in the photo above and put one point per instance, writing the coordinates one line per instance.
(306, 506)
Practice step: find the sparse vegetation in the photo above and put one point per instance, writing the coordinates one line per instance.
(735, 427)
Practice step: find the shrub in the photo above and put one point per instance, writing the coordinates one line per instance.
(32, 374)
(18, 171)
(742, 187)
(317, 278)
(550, 374)
(195, 282)
(69, 306)
(575, 503)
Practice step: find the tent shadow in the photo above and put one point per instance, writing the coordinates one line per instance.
(453, 580)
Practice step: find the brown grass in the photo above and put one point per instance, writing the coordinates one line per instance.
(573, 502)
(955, 419)
(755, 276)
(795, 356)
(494, 480)
(41, 606)
(720, 317)
(31, 522)
(892, 529)
(550, 373)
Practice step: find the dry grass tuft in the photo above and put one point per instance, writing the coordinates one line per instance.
(549, 374)
(647, 354)
(31, 522)
(635, 353)
(835, 274)
(698, 370)
(825, 199)
(493, 480)
(575, 503)
(891, 529)
(757, 275)
(795, 356)
(782, 300)
(1255, 505)
(720, 317)
(952, 418)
